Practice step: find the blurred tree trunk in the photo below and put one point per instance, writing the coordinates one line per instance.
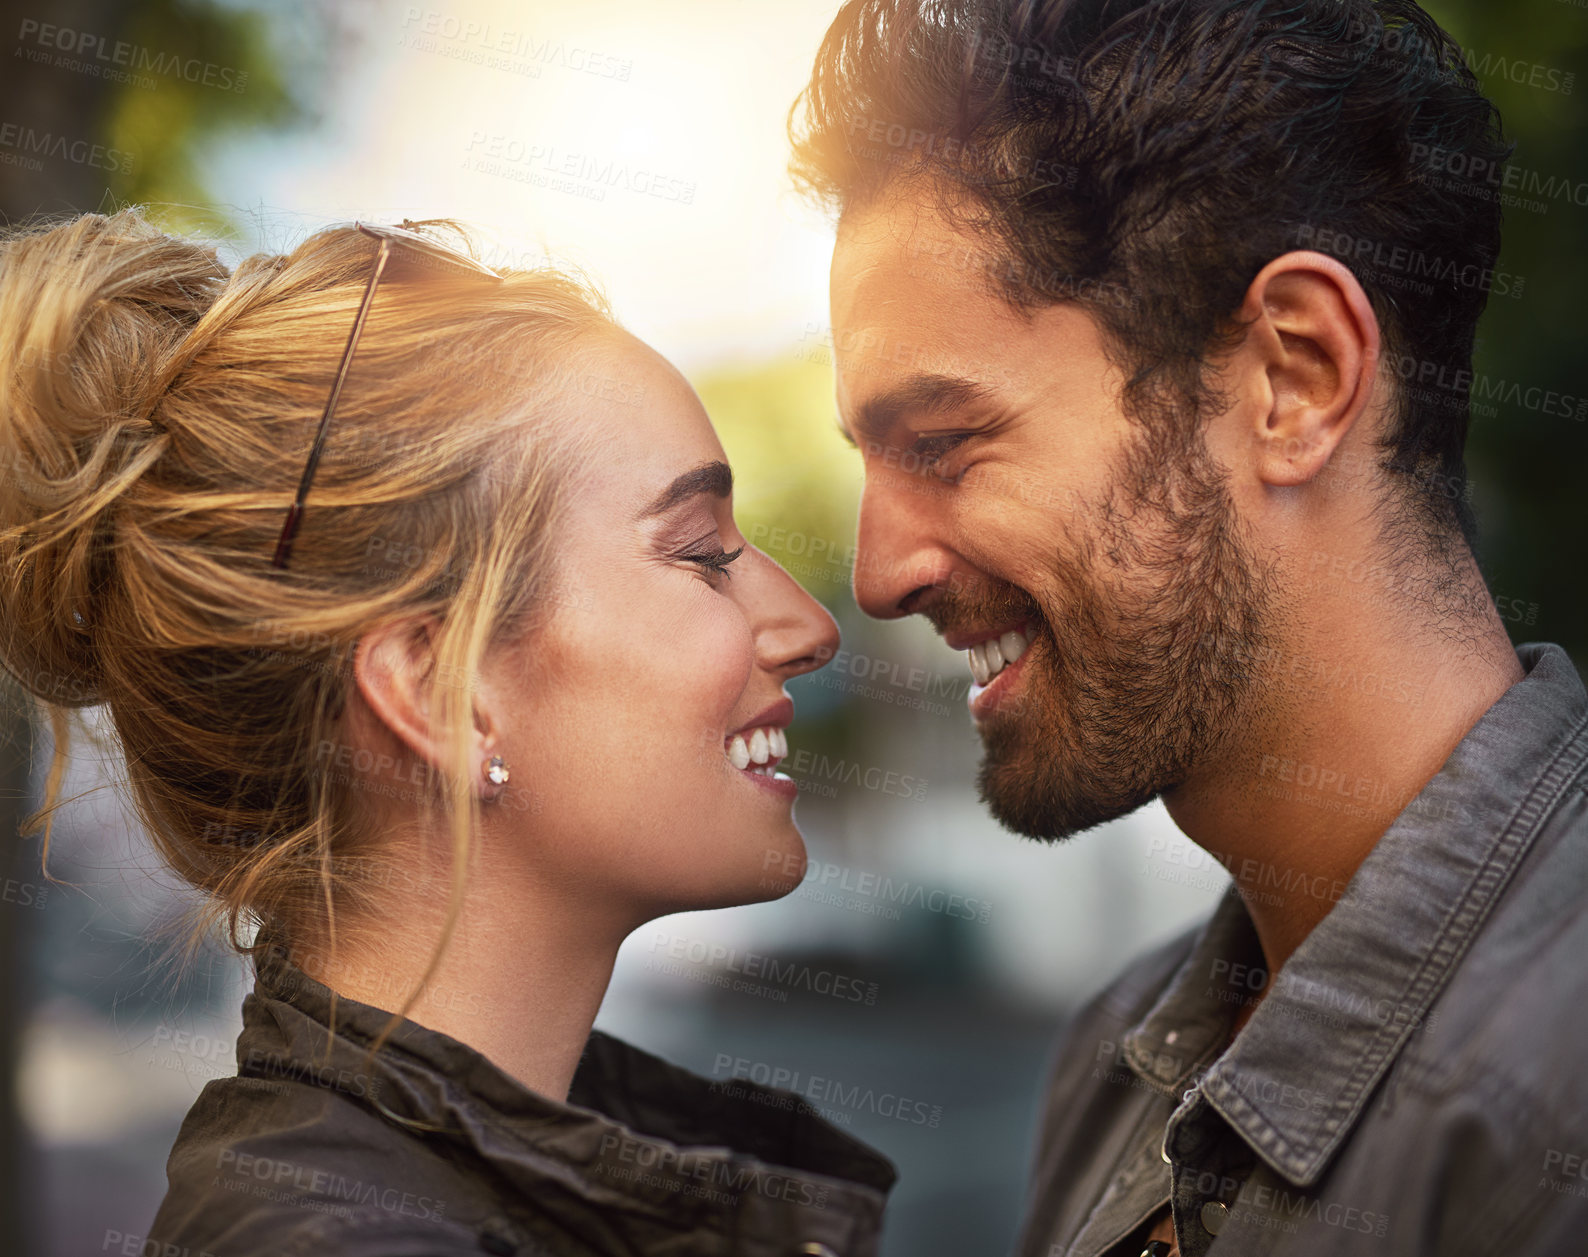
(49, 99)
(19, 861)
(46, 112)
(46, 99)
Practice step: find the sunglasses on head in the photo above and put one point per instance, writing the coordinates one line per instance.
(390, 238)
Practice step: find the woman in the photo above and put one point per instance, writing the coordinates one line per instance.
(499, 684)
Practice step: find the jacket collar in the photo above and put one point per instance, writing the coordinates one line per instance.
(651, 1149)
(1296, 1080)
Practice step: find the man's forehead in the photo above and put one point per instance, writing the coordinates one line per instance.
(908, 229)
(912, 289)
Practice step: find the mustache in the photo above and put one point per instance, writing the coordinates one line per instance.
(956, 610)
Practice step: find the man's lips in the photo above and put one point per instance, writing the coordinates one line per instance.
(1001, 691)
(988, 651)
(964, 639)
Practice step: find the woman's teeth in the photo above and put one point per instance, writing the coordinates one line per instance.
(989, 658)
(760, 753)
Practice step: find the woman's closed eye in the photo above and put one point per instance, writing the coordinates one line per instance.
(713, 563)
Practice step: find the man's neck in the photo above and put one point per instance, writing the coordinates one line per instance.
(1345, 731)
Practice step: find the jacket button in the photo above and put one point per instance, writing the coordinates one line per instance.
(1213, 1215)
(813, 1249)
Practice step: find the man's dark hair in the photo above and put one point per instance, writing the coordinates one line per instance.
(1146, 160)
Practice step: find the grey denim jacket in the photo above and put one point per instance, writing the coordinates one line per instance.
(432, 1151)
(1415, 1080)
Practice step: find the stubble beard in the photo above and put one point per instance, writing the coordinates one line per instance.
(1138, 670)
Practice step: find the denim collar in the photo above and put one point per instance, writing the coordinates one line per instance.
(1296, 1080)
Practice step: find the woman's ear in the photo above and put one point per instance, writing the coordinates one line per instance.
(1312, 332)
(395, 671)
(394, 668)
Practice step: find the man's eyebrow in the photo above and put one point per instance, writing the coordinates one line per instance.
(918, 394)
(715, 478)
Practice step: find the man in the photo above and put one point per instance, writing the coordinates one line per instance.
(1154, 330)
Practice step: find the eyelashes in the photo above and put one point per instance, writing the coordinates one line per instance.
(715, 562)
(932, 450)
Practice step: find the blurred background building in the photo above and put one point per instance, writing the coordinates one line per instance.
(258, 123)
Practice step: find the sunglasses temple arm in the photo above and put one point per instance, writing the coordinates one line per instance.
(284, 545)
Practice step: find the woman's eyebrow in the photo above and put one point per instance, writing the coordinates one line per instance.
(715, 478)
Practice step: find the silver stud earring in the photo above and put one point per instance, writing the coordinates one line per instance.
(495, 771)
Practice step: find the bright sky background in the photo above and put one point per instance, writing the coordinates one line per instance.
(690, 92)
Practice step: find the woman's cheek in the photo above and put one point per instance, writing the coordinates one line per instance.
(722, 648)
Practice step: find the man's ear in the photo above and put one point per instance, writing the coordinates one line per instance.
(1313, 334)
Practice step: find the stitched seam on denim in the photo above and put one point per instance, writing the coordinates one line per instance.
(1129, 1151)
(1464, 920)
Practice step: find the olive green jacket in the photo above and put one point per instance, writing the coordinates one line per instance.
(430, 1150)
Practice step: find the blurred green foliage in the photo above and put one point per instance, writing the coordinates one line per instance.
(173, 128)
(797, 483)
(1528, 469)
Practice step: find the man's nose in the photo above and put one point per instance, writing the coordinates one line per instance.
(899, 557)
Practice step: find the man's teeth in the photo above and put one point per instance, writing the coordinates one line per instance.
(763, 749)
(989, 658)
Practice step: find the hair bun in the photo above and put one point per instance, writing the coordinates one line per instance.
(92, 314)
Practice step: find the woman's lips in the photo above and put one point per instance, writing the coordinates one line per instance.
(756, 748)
(780, 784)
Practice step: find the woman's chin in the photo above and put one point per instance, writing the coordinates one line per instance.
(778, 868)
(782, 866)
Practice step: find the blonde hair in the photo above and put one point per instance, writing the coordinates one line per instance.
(155, 417)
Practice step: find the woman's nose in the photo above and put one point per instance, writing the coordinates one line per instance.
(794, 633)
